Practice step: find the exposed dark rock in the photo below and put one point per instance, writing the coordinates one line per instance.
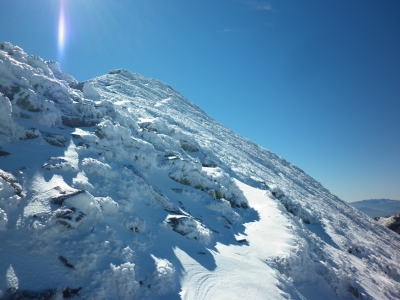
(24, 102)
(134, 229)
(354, 291)
(76, 121)
(69, 293)
(227, 220)
(291, 206)
(69, 217)
(99, 134)
(185, 225)
(392, 222)
(353, 249)
(57, 163)
(90, 123)
(66, 224)
(178, 191)
(185, 145)
(25, 116)
(149, 126)
(278, 194)
(26, 295)
(238, 205)
(209, 165)
(55, 139)
(48, 166)
(174, 222)
(72, 121)
(9, 92)
(12, 181)
(4, 153)
(60, 190)
(241, 241)
(60, 199)
(32, 133)
(65, 262)
(82, 215)
(77, 86)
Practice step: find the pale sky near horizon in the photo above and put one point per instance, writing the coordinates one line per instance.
(316, 82)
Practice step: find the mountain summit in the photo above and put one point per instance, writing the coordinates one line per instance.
(120, 188)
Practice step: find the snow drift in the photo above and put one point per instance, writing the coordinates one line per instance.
(120, 188)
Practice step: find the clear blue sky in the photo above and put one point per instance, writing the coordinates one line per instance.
(316, 82)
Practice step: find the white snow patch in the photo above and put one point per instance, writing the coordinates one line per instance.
(267, 237)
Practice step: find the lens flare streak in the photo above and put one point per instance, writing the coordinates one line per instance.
(61, 28)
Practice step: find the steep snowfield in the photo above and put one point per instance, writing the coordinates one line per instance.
(120, 188)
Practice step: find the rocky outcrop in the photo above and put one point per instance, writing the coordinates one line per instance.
(12, 181)
(391, 222)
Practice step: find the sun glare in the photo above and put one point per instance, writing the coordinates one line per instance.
(61, 28)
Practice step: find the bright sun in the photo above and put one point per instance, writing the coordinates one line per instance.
(61, 27)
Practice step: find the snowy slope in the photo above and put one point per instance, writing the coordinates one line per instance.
(377, 207)
(120, 188)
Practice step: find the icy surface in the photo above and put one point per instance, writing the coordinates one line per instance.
(120, 188)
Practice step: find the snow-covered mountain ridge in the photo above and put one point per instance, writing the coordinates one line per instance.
(120, 188)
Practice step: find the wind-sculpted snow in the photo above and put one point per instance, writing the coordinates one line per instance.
(120, 188)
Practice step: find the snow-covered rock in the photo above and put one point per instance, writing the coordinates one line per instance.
(120, 188)
(391, 222)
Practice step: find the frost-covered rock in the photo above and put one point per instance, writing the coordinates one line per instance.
(9, 199)
(108, 205)
(189, 227)
(9, 130)
(391, 222)
(164, 276)
(134, 224)
(82, 182)
(41, 91)
(98, 177)
(121, 281)
(54, 67)
(89, 92)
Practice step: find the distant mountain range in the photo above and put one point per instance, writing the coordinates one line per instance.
(378, 207)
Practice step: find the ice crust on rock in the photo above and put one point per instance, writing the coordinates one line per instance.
(144, 196)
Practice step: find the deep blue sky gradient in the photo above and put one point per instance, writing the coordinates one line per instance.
(316, 82)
